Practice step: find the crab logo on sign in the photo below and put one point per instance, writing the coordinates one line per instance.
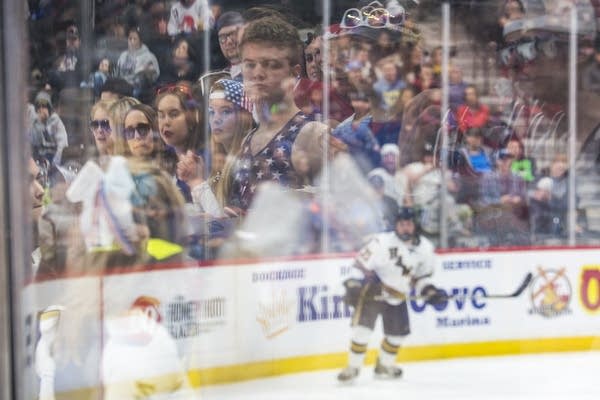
(550, 293)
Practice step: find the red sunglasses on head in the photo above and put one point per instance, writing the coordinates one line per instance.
(177, 88)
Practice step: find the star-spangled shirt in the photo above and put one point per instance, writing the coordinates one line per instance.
(272, 163)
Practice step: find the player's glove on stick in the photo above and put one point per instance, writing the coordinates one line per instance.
(353, 288)
(433, 295)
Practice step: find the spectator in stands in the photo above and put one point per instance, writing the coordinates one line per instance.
(98, 78)
(424, 192)
(67, 68)
(385, 45)
(387, 207)
(357, 78)
(100, 127)
(559, 173)
(456, 87)
(189, 16)
(523, 166)
(36, 199)
(314, 59)
(137, 65)
(115, 88)
(183, 65)
(230, 119)
(56, 223)
(308, 92)
(541, 217)
(436, 62)
(113, 42)
(157, 38)
(501, 211)
(412, 61)
(473, 113)
(387, 124)
(230, 27)
(426, 78)
(180, 125)
(590, 76)
(140, 131)
(479, 156)
(549, 201)
(116, 116)
(156, 200)
(390, 85)
(513, 10)
(356, 132)
(392, 176)
(286, 147)
(48, 133)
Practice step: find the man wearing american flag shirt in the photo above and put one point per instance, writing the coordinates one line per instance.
(286, 146)
(393, 264)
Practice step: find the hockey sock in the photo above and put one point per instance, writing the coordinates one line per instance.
(357, 354)
(389, 351)
(358, 347)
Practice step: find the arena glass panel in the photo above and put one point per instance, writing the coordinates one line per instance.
(400, 71)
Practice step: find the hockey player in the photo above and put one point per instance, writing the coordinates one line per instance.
(393, 264)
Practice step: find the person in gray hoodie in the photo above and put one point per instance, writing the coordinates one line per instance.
(137, 65)
(47, 133)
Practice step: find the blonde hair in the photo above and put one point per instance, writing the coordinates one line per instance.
(222, 187)
(117, 112)
(243, 124)
(101, 105)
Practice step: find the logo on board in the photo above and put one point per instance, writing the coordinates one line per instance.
(276, 314)
(589, 288)
(550, 293)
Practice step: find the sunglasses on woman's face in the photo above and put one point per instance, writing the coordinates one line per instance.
(102, 124)
(141, 129)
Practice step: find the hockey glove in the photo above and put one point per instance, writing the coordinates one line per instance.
(433, 295)
(353, 288)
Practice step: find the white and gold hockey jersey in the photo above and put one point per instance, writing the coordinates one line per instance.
(399, 266)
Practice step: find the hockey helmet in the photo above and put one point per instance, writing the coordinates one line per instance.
(403, 232)
(406, 213)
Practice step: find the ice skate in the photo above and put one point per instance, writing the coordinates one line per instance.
(348, 374)
(387, 372)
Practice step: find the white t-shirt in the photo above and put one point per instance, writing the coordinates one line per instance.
(196, 17)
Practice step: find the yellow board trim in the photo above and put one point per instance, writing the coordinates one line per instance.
(236, 373)
(262, 369)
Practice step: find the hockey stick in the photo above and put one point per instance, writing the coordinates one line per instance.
(516, 293)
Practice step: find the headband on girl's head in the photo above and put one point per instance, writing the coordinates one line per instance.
(232, 91)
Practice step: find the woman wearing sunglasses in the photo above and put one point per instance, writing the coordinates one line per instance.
(140, 134)
(100, 127)
(157, 201)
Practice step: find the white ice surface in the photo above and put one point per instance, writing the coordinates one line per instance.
(564, 376)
